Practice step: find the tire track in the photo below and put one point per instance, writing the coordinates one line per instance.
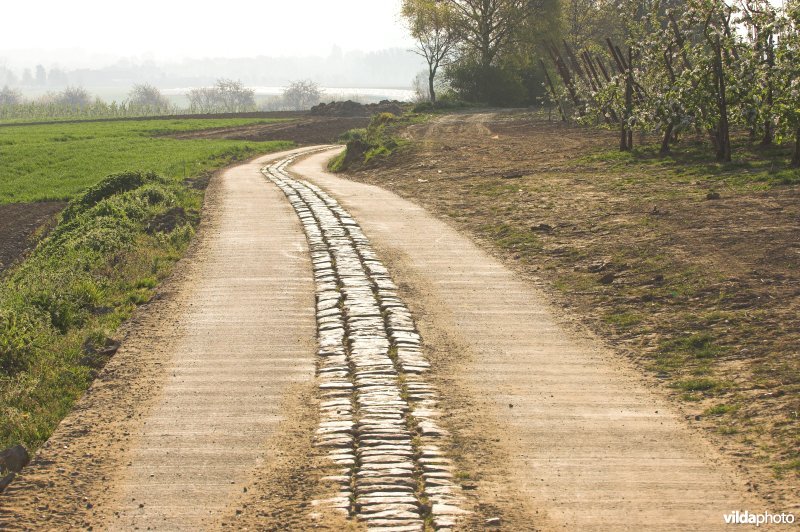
(379, 417)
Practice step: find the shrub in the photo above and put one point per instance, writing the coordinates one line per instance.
(113, 184)
(365, 144)
(493, 85)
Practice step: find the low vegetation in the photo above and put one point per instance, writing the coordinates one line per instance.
(378, 139)
(60, 308)
(76, 103)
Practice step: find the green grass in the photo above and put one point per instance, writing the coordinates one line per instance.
(55, 162)
(753, 167)
(698, 346)
(719, 410)
(512, 237)
(698, 385)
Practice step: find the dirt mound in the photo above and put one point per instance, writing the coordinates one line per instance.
(351, 108)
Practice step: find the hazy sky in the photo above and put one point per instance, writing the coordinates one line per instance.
(97, 30)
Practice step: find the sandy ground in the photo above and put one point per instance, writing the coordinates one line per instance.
(590, 447)
(174, 428)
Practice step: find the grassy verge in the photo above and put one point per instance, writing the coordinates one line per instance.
(56, 161)
(117, 239)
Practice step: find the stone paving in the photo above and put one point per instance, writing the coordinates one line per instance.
(379, 418)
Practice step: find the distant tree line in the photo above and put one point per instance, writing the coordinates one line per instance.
(226, 96)
(77, 102)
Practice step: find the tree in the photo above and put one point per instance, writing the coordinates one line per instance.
(487, 26)
(41, 76)
(76, 97)
(432, 24)
(226, 96)
(787, 98)
(234, 97)
(759, 17)
(202, 100)
(302, 95)
(147, 98)
(10, 97)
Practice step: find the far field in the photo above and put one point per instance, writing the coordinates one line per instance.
(53, 162)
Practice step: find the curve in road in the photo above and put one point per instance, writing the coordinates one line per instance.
(591, 448)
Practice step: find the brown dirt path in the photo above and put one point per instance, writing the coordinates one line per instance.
(572, 429)
(175, 427)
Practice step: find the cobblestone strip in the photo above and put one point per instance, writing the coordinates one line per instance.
(379, 416)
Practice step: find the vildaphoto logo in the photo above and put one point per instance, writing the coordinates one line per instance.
(764, 518)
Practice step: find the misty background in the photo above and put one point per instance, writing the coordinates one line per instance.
(384, 69)
(175, 47)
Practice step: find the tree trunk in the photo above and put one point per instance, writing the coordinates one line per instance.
(623, 136)
(665, 141)
(768, 136)
(627, 132)
(723, 132)
(553, 92)
(431, 91)
(796, 158)
(768, 132)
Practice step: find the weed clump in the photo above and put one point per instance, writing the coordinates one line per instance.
(363, 145)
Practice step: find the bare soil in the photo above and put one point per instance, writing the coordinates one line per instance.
(18, 225)
(701, 294)
(303, 131)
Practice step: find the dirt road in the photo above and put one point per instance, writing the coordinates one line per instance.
(447, 391)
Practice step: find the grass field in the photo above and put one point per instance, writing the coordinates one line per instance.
(117, 239)
(56, 161)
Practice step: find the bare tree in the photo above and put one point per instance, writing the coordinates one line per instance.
(432, 23)
(202, 100)
(301, 95)
(74, 97)
(227, 96)
(148, 98)
(234, 97)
